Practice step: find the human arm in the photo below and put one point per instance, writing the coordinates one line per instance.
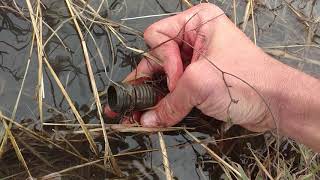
(224, 65)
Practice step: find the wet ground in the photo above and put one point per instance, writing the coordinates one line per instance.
(288, 30)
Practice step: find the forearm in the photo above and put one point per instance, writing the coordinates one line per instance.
(299, 108)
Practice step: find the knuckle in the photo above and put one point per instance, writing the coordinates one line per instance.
(208, 10)
(209, 7)
(150, 31)
(206, 5)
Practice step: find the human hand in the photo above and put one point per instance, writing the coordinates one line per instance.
(202, 46)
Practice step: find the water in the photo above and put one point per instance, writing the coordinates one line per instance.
(276, 25)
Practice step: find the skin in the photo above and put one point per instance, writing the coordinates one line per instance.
(291, 100)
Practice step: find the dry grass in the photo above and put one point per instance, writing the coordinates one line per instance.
(60, 147)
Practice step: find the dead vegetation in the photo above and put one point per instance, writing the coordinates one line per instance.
(67, 140)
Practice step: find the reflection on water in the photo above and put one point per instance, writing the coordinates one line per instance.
(280, 30)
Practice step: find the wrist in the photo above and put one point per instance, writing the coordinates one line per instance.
(298, 108)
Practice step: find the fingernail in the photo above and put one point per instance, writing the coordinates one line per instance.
(149, 119)
(168, 83)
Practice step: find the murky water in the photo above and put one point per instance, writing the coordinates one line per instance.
(278, 29)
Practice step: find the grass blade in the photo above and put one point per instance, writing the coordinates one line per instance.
(165, 158)
(73, 108)
(15, 146)
(214, 155)
(94, 90)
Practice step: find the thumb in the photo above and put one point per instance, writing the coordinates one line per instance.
(175, 105)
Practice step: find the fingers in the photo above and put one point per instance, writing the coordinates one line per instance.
(168, 38)
(165, 39)
(166, 50)
(177, 104)
(160, 38)
(168, 111)
(173, 67)
(145, 68)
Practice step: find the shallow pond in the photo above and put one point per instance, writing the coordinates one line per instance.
(288, 30)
